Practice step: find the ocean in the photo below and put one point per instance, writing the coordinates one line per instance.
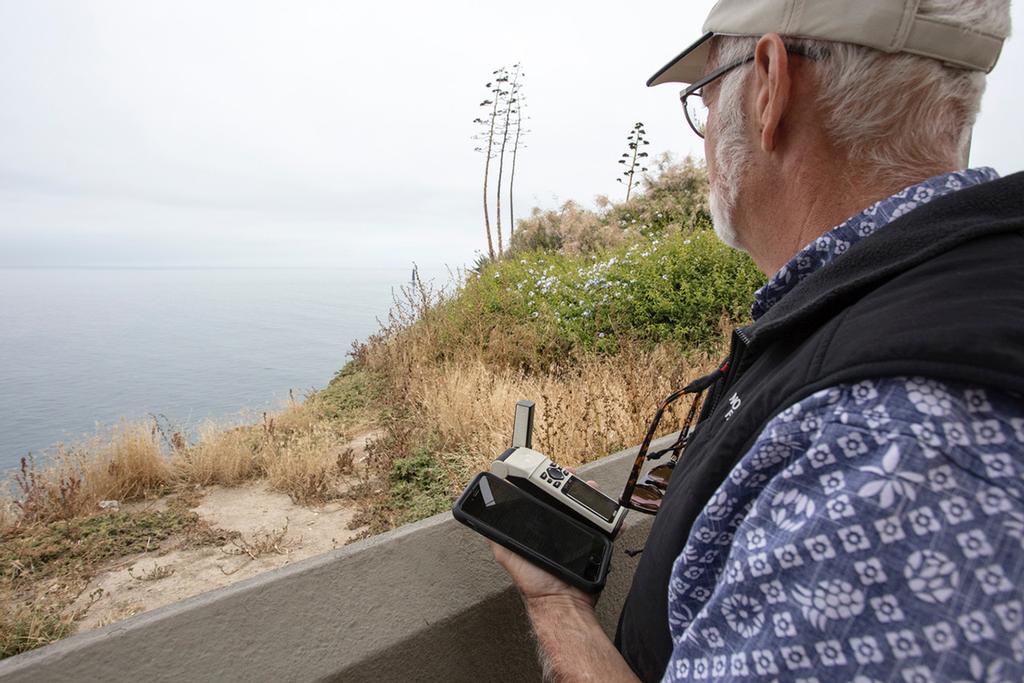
(82, 349)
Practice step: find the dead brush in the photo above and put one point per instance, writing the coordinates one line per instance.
(584, 413)
(221, 456)
(307, 465)
(154, 573)
(127, 467)
(46, 495)
(261, 543)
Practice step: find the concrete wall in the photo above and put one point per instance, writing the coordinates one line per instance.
(425, 602)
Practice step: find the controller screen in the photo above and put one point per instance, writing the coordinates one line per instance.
(590, 498)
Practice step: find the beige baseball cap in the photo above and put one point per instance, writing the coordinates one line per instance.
(888, 25)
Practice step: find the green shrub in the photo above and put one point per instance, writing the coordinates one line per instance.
(418, 487)
(549, 307)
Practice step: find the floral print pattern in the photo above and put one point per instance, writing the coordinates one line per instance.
(873, 532)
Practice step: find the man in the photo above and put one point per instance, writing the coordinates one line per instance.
(851, 506)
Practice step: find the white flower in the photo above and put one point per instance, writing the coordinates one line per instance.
(864, 391)
(929, 396)
(977, 401)
(770, 454)
(756, 538)
(788, 556)
(866, 650)
(1018, 428)
(975, 626)
(1011, 614)
(889, 529)
(832, 482)
(956, 510)
(791, 509)
(839, 507)
(993, 500)
(987, 432)
(887, 609)
(738, 662)
(956, 433)
(992, 579)
(941, 478)
(854, 538)
(820, 455)
(719, 665)
(852, 444)
(931, 575)
(734, 573)
(764, 662)
(940, 636)
(829, 601)
(928, 437)
(997, 465)
(773, 593)
(894, 483)
(870, 571)
(782, 623)
(830, 652)
(877, 416)
(974, 544)
(713, 637)
(743, 614)
(922, 521)
(759, 565)
(820, 548)
(903, 644)
(719, 506)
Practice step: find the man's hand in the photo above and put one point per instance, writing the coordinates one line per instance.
(535, 583)
(573, 646)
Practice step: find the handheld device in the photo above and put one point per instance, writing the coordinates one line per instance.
(535, 473)
(573, 551)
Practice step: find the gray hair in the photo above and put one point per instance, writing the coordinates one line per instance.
(895, 113)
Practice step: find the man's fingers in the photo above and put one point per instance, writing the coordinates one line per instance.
(590, 482)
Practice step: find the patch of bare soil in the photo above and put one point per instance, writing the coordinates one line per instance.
(271, 532)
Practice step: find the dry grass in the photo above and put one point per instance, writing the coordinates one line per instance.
(602, 405)
(155, 573)
(261, 543)
(24, 626)
(128, 466)
(297, 449)
(221, 456)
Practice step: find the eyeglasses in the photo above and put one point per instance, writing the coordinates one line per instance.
(693, 97)
(645, 495)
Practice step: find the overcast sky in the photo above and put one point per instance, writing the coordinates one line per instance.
(309, 133)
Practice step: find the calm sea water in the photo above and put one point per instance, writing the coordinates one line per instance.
(81, 348)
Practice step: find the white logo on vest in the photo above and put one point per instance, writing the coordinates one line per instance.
(734, 405)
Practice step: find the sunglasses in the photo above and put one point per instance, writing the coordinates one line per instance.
(645, 495)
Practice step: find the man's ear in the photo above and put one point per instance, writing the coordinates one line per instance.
(771, 64)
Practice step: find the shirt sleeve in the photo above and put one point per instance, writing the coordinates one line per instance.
(874, 531)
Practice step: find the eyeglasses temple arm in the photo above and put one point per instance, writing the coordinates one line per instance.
(627, 492)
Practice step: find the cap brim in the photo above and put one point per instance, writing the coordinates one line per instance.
(687, 67)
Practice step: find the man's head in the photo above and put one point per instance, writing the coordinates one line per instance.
(868, 97)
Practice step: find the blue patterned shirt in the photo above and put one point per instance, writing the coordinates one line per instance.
(874, 531)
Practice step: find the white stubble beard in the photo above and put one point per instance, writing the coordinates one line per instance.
(732, 154)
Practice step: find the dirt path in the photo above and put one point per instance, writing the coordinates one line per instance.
(274, 532)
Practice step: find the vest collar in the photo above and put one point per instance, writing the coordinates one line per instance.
(916, 237)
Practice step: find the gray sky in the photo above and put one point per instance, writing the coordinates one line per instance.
(329, 133)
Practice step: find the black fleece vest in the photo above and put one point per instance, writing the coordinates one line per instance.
(939, 292)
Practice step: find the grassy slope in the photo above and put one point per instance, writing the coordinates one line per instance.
(595, 315)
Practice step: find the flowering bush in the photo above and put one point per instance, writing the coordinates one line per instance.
(674, 288)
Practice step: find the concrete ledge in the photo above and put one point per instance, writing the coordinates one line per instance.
(425, 601)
